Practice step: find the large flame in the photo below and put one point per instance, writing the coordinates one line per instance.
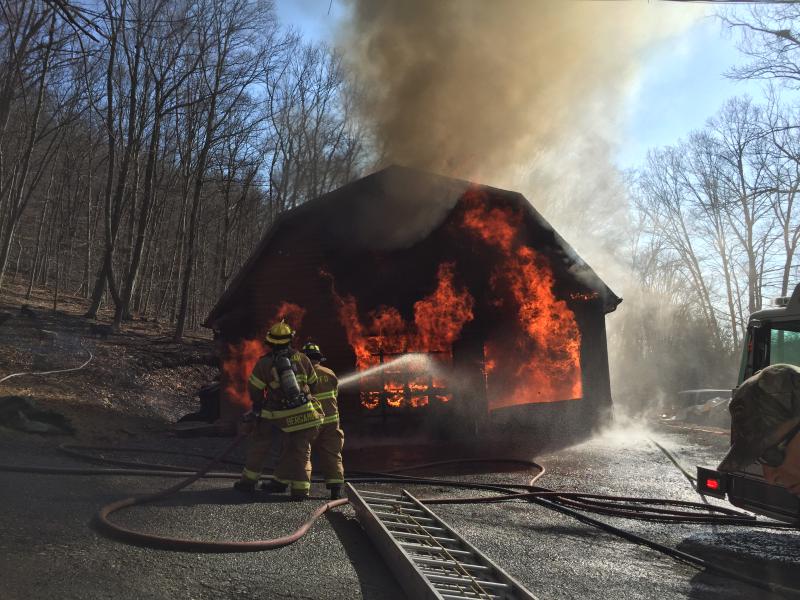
(534, 354)
(531, 348)
(384, 334)
(291, 313)
(240, 358)
(541, 361)
(237, 364)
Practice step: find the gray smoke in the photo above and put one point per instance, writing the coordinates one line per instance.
(478, 89)
(522, 94)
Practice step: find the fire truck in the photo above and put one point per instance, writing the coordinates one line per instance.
(773, 336)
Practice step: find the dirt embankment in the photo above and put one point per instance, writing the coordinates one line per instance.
(138, 380)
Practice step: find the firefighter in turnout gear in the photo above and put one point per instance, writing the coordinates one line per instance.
(280, 388)
(327, 448)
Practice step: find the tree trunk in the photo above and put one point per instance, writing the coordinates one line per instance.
(39, 237)
(144, 215)
(113, 208)
(18, 199)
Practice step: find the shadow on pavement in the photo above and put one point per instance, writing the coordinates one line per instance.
(377, 582)
(764, 555)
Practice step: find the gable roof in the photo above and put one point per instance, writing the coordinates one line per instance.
(395, 208)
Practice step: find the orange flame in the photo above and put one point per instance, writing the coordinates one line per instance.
(538, 361)
(370, 400)
(419, 401)
(291, 313)
(237, 365)
(438, 321)
(543, 362)
(240, 359)
(440, 317)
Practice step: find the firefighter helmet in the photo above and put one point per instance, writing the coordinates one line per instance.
(280, 334)
(313, 351)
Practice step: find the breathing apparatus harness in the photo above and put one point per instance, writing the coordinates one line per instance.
(279, 338)
(293, 396)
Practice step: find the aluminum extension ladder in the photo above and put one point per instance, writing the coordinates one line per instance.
(428, 558)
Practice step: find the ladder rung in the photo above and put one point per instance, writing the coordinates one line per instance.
(449, 564)
(447, 572)
(468, 591)
(407, 512)
(419, 536)
(372, 493)
(472, 594)
(400, 509)
(461, 591)
(434, 549)
(415, 526)
(387, 502)
(467, 581)
(427, 557)
(482, 596)
(389, 523)
(428, 571)
(380, 513)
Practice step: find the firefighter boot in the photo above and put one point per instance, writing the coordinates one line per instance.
(245, 485)
(336, 491)
(274, 487)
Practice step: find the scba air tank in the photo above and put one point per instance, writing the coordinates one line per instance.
(288, 380)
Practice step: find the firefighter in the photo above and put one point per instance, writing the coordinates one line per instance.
(327, 448)
(281, 394)
(765, 426)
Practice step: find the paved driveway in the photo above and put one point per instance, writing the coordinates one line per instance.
(48, 549)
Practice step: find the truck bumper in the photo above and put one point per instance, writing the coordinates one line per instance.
(750, 493)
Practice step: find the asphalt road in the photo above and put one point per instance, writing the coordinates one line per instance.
(49, 550)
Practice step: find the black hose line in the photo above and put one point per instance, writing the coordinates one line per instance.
(587, 501)
(566, 503)
(76, 451)
(620, 506)
(679, 555)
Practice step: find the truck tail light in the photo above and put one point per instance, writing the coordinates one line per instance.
(711, 482)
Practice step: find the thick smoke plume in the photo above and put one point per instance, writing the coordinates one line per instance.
(478, 89)
(522, 94)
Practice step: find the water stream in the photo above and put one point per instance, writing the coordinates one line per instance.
(416, 362)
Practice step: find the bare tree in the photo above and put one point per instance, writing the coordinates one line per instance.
(28, 64)
(739, 132)
(144, 141)
(168, 66)
(667, 207)
(718, 216)
(784, 170)
(233, 43)
(769, 36)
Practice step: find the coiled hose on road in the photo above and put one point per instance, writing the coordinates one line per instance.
(567, 503)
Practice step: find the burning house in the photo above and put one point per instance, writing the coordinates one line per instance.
(495, 320)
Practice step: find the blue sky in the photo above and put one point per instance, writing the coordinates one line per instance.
(311, 17)
(681, 83)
